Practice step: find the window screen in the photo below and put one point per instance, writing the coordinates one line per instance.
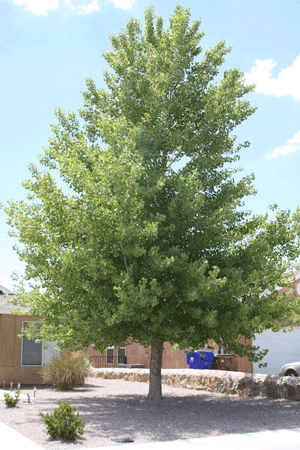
(31, 351)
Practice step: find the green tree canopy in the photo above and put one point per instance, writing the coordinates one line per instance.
(147, 240)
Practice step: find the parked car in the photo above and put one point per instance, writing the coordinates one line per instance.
(290, 370)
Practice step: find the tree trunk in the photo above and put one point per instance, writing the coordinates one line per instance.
(155, 371)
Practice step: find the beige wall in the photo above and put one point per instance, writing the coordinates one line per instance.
(11, 369)
(7, 340)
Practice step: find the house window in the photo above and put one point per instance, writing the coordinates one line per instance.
(121, 355)
(33, 353)
(110, 355)
(220, 351)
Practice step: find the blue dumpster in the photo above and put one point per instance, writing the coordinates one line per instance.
(201, 359)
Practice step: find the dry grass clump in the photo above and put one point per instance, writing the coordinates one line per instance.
(67, 370)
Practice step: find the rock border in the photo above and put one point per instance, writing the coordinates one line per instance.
(221, 381)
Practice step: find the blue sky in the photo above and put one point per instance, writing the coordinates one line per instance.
(49, 47)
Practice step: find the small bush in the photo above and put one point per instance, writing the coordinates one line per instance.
(11, 401)
(67, 370)
(214, 364)
(64, 423)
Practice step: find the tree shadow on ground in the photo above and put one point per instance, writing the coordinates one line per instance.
(189, 416)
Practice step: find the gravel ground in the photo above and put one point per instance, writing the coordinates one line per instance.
(114, 409)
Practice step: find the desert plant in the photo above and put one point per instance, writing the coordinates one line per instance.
(11, 401)
(67, 370)
(63, 422)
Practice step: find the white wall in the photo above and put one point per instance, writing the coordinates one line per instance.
(283, 348)
(50, 351)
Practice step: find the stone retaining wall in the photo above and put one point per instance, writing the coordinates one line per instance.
(225, 382)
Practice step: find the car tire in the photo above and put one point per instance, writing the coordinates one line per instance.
(290, 373)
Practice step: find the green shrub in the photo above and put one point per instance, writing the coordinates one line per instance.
(214, 364)
(67, 370)
(64, 423)
(11, 401)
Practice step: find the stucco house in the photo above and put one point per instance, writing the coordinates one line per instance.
(21, 359)
(284, 348)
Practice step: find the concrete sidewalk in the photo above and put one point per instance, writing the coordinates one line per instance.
(263, 440)
(11, 439)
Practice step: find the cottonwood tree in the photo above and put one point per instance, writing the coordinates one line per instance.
(134, 229)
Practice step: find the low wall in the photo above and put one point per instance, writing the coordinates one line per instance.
(225, 382)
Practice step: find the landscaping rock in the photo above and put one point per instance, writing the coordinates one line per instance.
(225, 382)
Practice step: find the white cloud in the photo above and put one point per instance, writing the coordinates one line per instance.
(80, 7)
(293, 145)
(287, 82)
(123, 4)
(40, 7)
(83, 9)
